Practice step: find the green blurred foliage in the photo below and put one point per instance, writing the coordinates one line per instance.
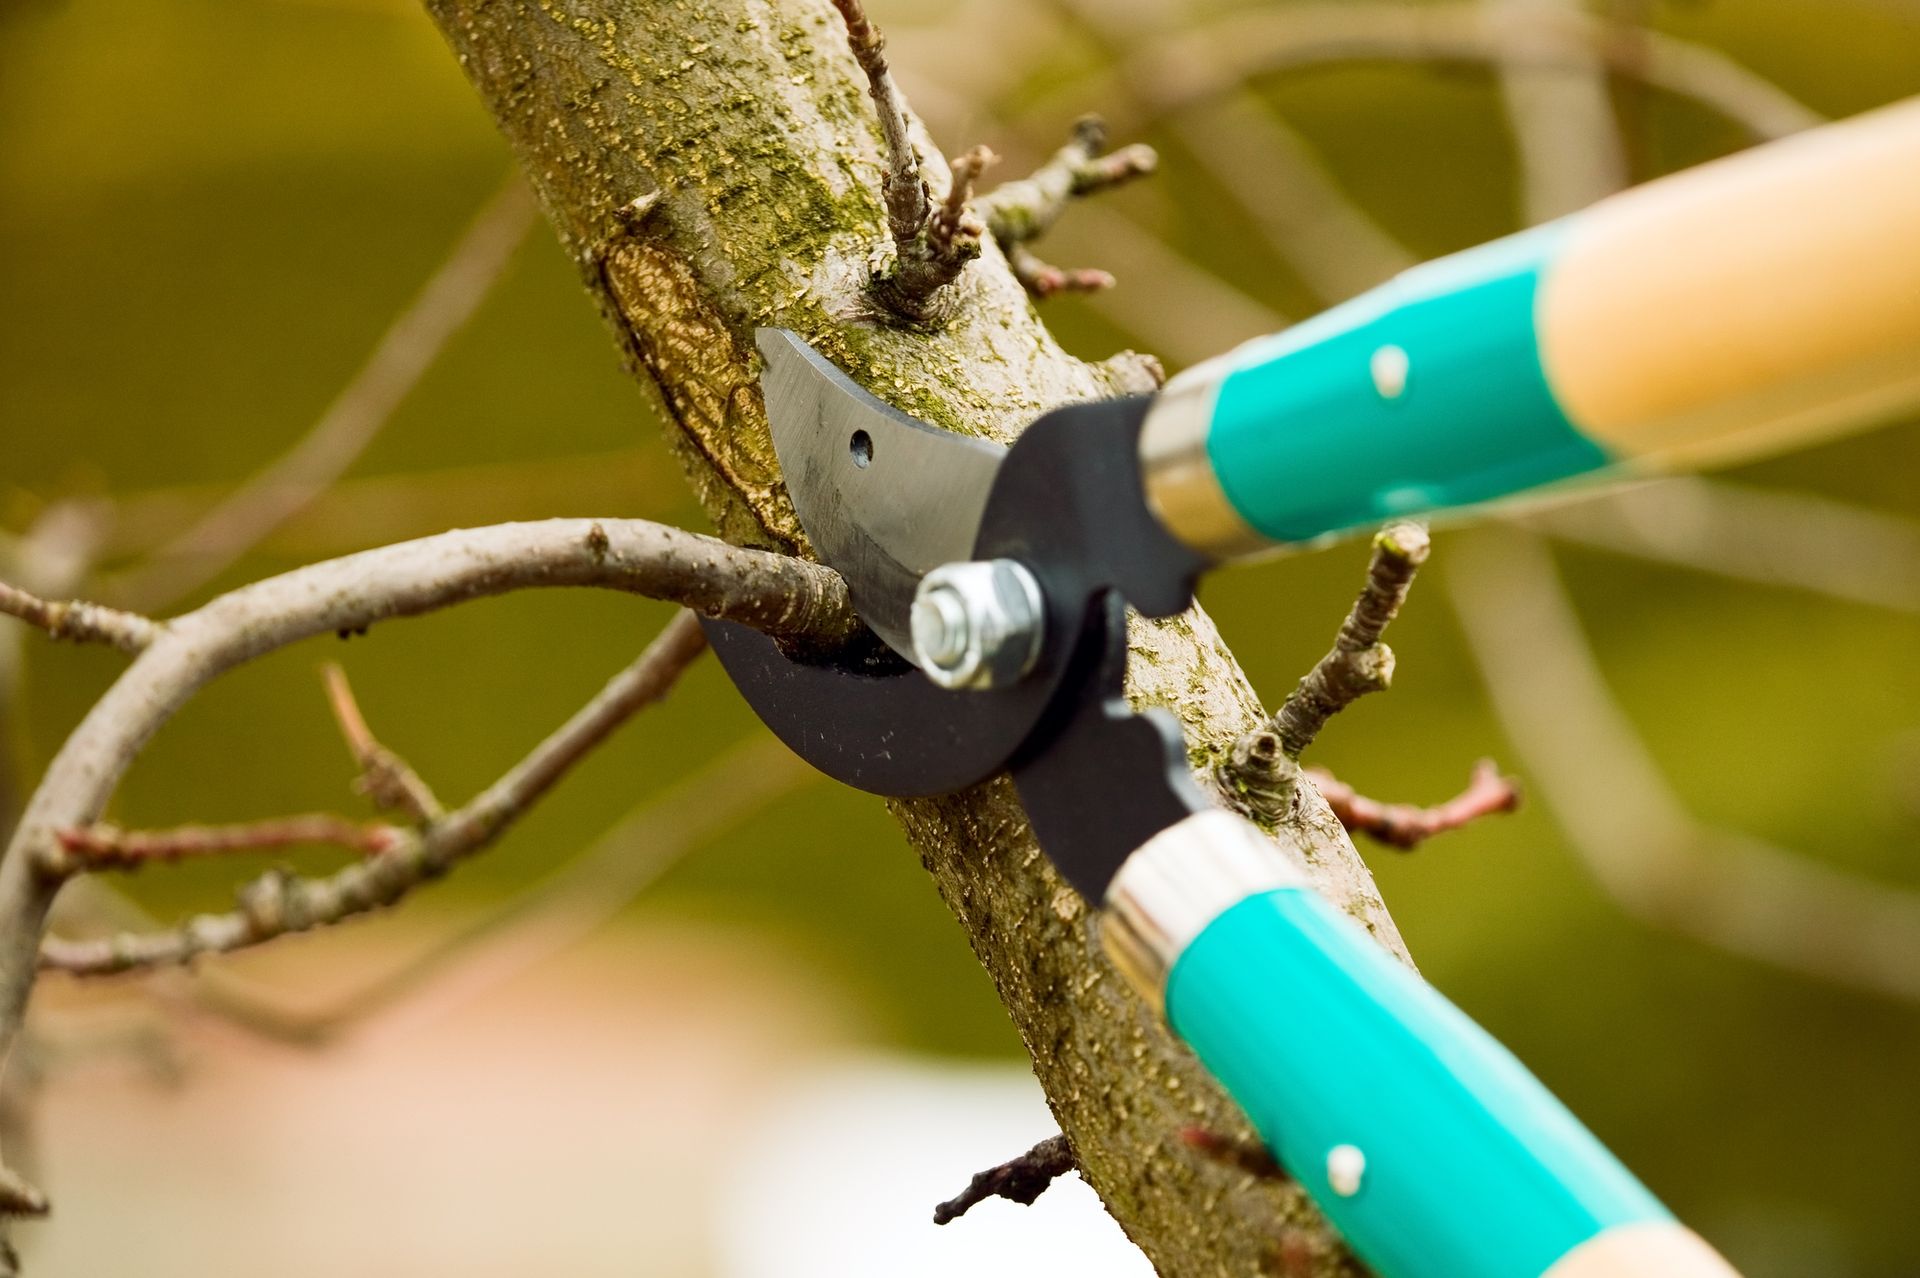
(209, 210)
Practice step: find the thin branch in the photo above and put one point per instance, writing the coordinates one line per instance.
(1172, 305)
(1407, 825)
(1769, 538)
(1358, 663)
(1302, 211)
(107, 847)
(905, 191)
(1044, 280)
(1022, 211)
(548, 917)
(385, 778)
(1020, 1180)
(277, 904)
(357, 414)
(932, 243)
(773, 592)
(18, 1197)
(79, 621)
(1645, 850)
(1202, 61)
(1333, 244)
(1561, 113)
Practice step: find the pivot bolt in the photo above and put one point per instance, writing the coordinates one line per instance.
(978, 624)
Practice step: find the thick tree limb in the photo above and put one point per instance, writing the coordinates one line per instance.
(758, 135)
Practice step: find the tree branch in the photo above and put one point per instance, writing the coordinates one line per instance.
(932, 243)
(276, 903)
(773, 592)
(385, 778)
(1407, 825)
(782, 232)
(1020, 1180)
(546, 918)
(107, 847)
(1019, 212)
(1203, 61)
(79, 621)
(1358, 663)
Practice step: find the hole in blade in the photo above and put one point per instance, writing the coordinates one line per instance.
(860, 448)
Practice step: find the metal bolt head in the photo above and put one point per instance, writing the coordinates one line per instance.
(978, 624)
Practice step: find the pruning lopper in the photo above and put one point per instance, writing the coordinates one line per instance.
(1740, 307)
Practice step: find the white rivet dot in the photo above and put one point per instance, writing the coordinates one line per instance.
(1389, 366)
(1346, 1167)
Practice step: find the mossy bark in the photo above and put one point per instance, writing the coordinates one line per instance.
(715, 167)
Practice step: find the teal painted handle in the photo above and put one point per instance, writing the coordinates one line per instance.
(1743, 307)
(1432, 1150)
(1427, 394)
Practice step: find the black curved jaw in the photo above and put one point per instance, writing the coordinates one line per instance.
(1097, 778)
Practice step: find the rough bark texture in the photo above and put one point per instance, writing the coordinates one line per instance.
(714, 167)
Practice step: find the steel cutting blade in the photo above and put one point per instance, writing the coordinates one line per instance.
(884, 498)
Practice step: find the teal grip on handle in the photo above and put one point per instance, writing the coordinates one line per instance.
(1467, 1167)
(1425, 394)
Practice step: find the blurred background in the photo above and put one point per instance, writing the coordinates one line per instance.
(247, 238)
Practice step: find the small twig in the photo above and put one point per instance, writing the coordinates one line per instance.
(1043, 279)
(1242, 1153)
(955, 222)
(1358, 662)
(79, 621)
(932, 244)
(1021, 1180)
(277, 903)
(385, 778)
(905, 191)
(1022, 211)
(1407, 825)
(107, 847)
